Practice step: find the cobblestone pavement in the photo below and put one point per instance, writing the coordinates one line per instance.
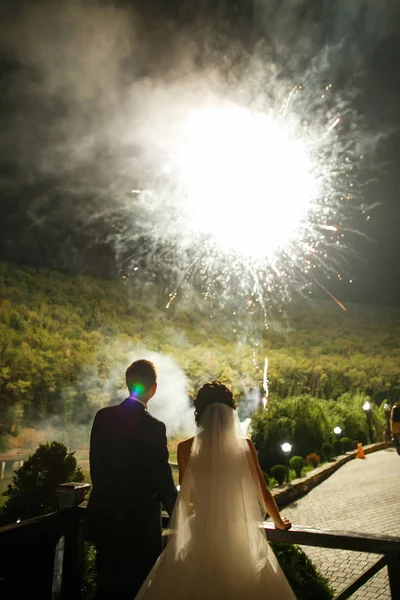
(363, 496)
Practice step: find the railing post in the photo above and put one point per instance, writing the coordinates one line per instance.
(393, 565)
(67, 584)
(71, 494)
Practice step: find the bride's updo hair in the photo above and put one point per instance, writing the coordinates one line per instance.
(210, 393)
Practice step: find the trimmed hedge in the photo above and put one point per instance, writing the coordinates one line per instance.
(279, 473)
(297, 463)
(303, 577)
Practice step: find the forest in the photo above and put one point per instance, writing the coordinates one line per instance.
(65, 338)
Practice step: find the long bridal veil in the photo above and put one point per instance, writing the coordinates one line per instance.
(216, 547)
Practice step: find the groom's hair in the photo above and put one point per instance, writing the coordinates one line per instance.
(210, 393)
(141, 373)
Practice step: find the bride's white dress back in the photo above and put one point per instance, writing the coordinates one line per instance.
(217, 548)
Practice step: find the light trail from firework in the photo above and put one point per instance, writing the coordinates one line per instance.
(250, 203)
(265, 383)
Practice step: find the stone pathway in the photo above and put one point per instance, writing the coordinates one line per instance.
(363, 496)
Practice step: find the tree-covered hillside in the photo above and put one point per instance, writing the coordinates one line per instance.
(63, 337)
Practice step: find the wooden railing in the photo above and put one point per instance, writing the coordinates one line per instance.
(43, 557)
(387, 546)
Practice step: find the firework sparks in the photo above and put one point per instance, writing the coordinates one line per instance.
(342, 306)
(331, 127)
(250, 202)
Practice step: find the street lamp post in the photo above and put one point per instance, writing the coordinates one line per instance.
(286, 449)
(368, 414)
(387, 408)
(337, 430)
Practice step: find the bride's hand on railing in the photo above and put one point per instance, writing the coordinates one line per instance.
(283, 524)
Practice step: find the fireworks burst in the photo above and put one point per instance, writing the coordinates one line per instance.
(252, 200)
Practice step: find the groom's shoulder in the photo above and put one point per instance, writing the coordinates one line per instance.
(153, 421)
(105, 412)
(108, 415)
(152, 428)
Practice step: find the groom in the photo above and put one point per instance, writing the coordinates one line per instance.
(131, 477)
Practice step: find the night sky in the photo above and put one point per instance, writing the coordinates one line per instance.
(64, 71)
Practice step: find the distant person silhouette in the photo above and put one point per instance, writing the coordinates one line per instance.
(131, 477)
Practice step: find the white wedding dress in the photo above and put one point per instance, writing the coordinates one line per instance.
(216, 548)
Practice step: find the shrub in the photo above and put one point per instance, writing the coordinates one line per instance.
(88, 587)
(297, 463)
(327, 450)
(32, 492)
(279, 473)
(307, 469)
(337, 447)
(346, 444)
(304, 579)
(312, 459)
(354, 444)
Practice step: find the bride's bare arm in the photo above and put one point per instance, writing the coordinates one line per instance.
(182, 460)
(269, 502)
(183, 454)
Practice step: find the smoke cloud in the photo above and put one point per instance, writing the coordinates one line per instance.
(91, 90)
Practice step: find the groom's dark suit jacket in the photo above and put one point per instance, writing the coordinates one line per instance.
(131, 477)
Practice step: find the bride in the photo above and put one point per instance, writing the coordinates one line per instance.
(217, 548)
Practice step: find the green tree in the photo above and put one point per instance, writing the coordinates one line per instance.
(347, 412)
(302, 421)
(33, 490)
